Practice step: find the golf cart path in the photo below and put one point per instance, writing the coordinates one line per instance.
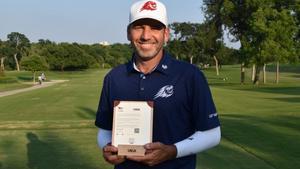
(36, 86)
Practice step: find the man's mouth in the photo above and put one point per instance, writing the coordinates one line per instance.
(146, 45)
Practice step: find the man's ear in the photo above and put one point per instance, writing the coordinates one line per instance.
(128, 36)
(128, 33)
(167, 35)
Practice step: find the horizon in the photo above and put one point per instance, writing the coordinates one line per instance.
(83, 22)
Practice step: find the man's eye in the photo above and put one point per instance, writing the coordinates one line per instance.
(156, 27)
(137, 27)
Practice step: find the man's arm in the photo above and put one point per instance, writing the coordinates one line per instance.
(109, 151)
(198, 142)
(201, 140)
(103, 137)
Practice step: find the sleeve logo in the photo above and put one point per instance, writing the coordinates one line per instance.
(165, 92)
(213, 115)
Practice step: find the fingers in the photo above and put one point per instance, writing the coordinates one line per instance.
(110, 155)
(109, 148)
(156, 153)
(147, 159)
(136, 158)
(114, 159)
(152, 146)
(152, 155)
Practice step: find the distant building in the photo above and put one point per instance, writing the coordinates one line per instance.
(104, 43)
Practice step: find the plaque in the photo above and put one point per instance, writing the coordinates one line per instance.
(132, 126)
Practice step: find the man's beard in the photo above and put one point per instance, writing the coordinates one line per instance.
(147, 55)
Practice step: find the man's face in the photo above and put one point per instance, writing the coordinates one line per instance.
(148, 37)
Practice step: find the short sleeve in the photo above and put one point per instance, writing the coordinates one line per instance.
(105, 111)
(203, 108)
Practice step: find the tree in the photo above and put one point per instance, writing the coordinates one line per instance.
(174, 47)
(20, 43)
(55, 57)
(98, 52)
(213, 20)
(120, 53)
(265, 29)
(273, 31)
(5, 51)
(296, 9)
(2, 57)
(34, 63)
(185, 42)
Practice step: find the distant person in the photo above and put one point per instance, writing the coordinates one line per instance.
(185, 120)
(40, 80)
(43, 76)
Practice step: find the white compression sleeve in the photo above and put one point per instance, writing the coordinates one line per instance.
(199, 141)
(103, 137)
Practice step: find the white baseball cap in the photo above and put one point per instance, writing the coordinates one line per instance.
(151, 9)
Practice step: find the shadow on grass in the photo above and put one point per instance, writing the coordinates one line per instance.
(287, 99)
(4, 80)
(274, 89)
(52, 154)
(225, 84)
(40, 154)
(296, 76)
(25, 78)
(268, 138)
(86, 113)
(284, 121)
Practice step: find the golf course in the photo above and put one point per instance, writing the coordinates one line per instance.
(53, 127)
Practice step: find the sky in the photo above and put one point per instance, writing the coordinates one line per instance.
(82, 21)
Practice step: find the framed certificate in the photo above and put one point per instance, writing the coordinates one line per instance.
(132, 126)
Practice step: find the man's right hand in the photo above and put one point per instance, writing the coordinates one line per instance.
(110, 154)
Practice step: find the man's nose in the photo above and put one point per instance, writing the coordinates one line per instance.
(146, 34)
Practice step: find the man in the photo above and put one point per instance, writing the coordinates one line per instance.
(185, 120)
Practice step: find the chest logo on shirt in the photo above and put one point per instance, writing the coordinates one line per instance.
(165, 92)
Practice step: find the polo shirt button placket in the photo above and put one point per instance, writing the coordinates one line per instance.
(142, 85)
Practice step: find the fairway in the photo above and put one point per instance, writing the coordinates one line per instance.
(53, 127)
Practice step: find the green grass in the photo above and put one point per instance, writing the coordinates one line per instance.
(73, 100)
(61, 119)
(53, 127)
(262, 121)
(14, 80)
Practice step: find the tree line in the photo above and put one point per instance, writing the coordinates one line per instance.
(17, 52)
(59, 56)
(268, 31)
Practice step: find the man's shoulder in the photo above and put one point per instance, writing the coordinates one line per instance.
(184, 66)
(186, 70)
(118, 70)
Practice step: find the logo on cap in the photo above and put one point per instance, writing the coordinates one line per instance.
(150, 5)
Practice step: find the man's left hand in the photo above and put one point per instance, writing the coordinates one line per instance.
(156, 153)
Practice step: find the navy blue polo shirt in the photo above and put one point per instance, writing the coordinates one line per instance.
(182, 104)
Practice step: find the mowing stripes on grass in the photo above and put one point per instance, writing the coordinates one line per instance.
(42, 125)
(54, 127)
